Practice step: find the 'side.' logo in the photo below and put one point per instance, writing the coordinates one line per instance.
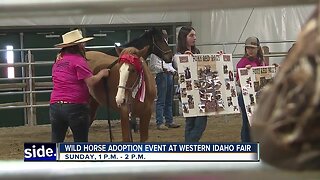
(40, 152)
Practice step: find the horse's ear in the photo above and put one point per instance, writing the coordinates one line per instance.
(143, 51)
(118, 49)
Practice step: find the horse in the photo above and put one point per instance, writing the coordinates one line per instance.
(136, 91)
(98, 60)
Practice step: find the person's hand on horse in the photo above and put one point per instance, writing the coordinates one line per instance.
(105, 72)
(248, 66)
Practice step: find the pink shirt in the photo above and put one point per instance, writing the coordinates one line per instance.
(245, 61)
(68, 76)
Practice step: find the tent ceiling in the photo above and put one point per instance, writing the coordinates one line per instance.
(33, 8)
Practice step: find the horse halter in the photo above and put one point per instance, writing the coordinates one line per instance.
(155, 45)
(133, 85)
(137, 79)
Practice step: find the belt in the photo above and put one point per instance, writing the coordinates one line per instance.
(63, 102)
(167, 72)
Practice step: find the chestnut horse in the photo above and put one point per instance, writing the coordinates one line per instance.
(98, 60)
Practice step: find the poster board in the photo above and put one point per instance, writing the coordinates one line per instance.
(252, 81)
(207, 84)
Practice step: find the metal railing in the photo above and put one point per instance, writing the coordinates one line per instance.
(29, 87)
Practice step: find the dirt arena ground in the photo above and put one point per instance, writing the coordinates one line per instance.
(224, 128)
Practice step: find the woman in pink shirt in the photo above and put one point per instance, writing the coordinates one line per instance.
(253, 57)
(72, 80)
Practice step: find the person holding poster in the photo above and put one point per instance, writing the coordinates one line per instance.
(195, 126)
(253, 58)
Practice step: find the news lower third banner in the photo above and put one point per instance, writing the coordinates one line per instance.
(197, 152)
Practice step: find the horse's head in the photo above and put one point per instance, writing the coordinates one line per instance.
(155, 40)
(159, 46)
(131, 70)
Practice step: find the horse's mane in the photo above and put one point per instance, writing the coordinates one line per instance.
(139, 42)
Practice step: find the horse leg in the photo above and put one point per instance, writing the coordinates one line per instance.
(144, 126)
(125, 125)
(134, 124)
(93, 106)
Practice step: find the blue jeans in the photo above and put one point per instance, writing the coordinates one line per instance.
(74, 115)
(164, 98)
(245, 130)
(195, 127)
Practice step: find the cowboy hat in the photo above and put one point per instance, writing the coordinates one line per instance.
(72, 38)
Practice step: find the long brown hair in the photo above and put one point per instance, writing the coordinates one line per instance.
(182, 40)
(76, 49)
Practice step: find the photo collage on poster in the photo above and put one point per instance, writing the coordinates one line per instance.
(252, 81)
(207, 84)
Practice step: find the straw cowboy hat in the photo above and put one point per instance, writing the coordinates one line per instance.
(72, 38)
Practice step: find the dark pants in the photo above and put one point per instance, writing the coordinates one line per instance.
(74, 115)
(164, 98)
(195, 127)
(245, 130)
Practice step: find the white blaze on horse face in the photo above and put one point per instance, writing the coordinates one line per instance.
(124, 74)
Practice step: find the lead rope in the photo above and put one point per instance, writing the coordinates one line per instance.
(105, 83)
(105, 80)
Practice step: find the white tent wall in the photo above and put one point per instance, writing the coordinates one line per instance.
(235, 25)
(212, 26)
(130, 18)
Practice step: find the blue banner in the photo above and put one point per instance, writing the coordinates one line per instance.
(40, 152)
(159, 147)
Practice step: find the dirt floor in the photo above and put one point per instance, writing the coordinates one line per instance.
(224, 128)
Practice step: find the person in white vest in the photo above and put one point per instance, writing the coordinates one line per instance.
(164, 80)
